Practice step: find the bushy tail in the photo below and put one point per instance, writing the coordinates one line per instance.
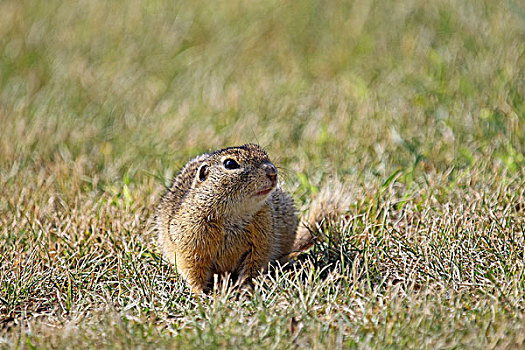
(329, 204)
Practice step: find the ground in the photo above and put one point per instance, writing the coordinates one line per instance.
(412, 112)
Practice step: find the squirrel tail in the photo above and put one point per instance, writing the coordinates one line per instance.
(330, 203)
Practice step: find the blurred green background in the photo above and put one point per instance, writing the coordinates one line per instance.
(354, 88)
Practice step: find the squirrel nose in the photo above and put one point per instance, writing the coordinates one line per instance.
(270, 170)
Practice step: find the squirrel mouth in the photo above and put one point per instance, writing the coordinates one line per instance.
(264, 192)
(268, 189)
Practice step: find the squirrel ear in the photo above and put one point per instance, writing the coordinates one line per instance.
(202, 173)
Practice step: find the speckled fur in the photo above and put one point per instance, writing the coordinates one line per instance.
(214, 223)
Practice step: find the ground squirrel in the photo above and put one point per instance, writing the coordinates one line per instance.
(224, 213)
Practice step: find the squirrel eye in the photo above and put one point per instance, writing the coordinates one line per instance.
(231, 164)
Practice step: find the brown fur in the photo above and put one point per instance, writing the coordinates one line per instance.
(209, 220)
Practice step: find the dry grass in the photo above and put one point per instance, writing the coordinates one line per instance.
(415, 109)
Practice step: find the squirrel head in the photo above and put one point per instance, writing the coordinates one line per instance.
(235, 179)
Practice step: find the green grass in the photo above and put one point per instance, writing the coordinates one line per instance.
(416, 108)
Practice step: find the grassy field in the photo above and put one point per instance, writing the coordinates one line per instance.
(414, 111)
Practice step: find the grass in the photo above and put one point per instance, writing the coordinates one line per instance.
(416, 109)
